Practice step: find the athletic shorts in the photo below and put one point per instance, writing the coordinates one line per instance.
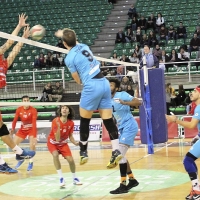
(128, 132)
(64, 149)
(23, 134)
(96, 94)
(195, 149)
(4, 130)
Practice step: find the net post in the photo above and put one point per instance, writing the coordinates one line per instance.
(63, 77)
(34, 80)
(189, 64)
(5, 89)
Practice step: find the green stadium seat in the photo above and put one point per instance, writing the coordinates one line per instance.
(179, 42)
(172, 70)
(171, 42)
(119, 46)
(168, 49)
(194, 54)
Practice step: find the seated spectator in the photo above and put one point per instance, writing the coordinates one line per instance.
(134, 58)
(120, 72)
(165, 59)
(171, 33)
(142, 22)
(198, 59)
(47, 91)
(144, 41)
(138, 51)
(39, 61)
(194, 43)
(124, 58)
(151, 22)
(157, 52)
(134, 24)
(152, 40)
(57, 93)
(197, 31)
(181, 32)
(124, 84)
(61, 60)
(163, 34)
(159, 22)
(103, 68)
(120, 37)
(129, 35)
(132, 12)
(130, 90)
(138, 34)
(48, 59)
(173, 57)
(183, 55)
(180, 97)
(115, 57)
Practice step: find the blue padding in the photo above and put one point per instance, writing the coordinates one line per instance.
(157, 107)
(189, 164)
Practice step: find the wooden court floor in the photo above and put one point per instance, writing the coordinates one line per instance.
(161, 175)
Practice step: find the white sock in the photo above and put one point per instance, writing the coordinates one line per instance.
(17, 150)
(60, 173)
(195, 184)
(73, 175)
(2, 161)
(115, 144)
(84, 142)
(31, 160)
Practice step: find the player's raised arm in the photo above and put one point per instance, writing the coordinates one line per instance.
(21, 24)
(18, 47)
(133, 102)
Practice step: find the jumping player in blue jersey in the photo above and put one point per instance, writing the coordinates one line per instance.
(128, 129)
(95, 94)
(194, 152)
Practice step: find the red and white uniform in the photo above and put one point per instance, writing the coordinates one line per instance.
(28, 119)
(3, 71)
(66, 129)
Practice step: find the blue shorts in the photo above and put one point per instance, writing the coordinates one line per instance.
(96, 94)
(128, 132)
(195, 149)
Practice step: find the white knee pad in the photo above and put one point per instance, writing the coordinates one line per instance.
(123, 149)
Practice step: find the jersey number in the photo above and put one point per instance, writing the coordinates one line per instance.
(88, 55)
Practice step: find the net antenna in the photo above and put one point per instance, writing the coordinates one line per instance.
(148, 108)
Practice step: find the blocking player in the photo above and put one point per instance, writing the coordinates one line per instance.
(128, 129)
(95, 94)
(28, 118)
(4, 65)
(62, 129)
(194, 152)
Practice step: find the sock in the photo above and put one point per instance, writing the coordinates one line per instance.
(73, 175)
(60, 173)
(123, 180)
(195, 185)
(115, 144)
(31, 160)
(83, 145)
(130, 175)
(2, 160)
(17, 150)
(123, 167)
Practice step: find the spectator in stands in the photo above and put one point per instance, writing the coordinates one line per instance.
(161, 64)
(144, 41)
(55, 61)
(142, 22)
(130, 90)
(194, 43)
(115, 57)
(129, 35)
(46, 92)
(183, 55)
(132, 12)
(134, 24)
(124, 84)
(48, 59)
(163, 34)
(171, 33)
(120, 37)
(173, 57)
(120, 72)
(180, 97)
(104, 69)
(124, 58)
(157, 52)
(165, 59)
(60, 45)
(181, 32)
(40, 61)
(168, 98)
(159, 22)
(138, 51)
(152, 40)
(151, 60)
(151, 22)
(198, 59)
(57, 93)
(197, 31)
(138, 34)
(61, 60)
(134, 58)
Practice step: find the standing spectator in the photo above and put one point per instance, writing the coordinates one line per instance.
(152, 40)
(181, 31)
(163, 34)
(197, 31)
(159, 22)
(151, 22)
(120, 37)
(57, 92)
(198, 59)
(134, 24)
(171, 32)
(142, 22)
(157, 52)
(144, 40)
(194, 43)
(132, 12)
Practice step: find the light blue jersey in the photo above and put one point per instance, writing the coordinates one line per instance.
(80, 59)
(197, 116)
(126, 123)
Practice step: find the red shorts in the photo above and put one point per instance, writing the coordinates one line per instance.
(23, 134)
(64, 149)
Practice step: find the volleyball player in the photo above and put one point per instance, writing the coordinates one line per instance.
(194, 152)
(4, 65)
(28, 118)
(62, 128)
(128, 129)
(95, 94)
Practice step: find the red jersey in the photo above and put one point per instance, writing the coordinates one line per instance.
(28, 119)
(66, 129)
(3, 71)
(192, 108)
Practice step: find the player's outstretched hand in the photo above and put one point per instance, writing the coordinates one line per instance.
(59, 33)
(171, 118)
(26, 33)
(195, 139)
(22, 20)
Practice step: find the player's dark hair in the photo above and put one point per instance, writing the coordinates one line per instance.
(69, 37)
(71, 112)
(25, 96)
(198, 86)
(116, 81)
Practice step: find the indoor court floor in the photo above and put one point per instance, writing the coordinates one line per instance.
(161, 175)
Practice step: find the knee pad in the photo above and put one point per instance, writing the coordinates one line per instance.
(84, 129)
(111, 128)
(189, 164)
(123, 160)
(4, 130)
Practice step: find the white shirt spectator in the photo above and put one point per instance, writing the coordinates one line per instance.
(185, 55)
(160, 21)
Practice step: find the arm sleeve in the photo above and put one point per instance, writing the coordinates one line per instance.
(197, 113)
(15, 118)
(34, 121)
(126, 97)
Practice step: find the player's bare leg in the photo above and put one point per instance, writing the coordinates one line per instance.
(32, 144)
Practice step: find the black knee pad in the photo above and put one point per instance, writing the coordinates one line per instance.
(111, 128)
(4, 130)
(84, 129)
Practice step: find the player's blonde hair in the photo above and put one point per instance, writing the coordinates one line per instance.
(69, 37)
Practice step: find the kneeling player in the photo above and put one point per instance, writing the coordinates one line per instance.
(62, 129)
